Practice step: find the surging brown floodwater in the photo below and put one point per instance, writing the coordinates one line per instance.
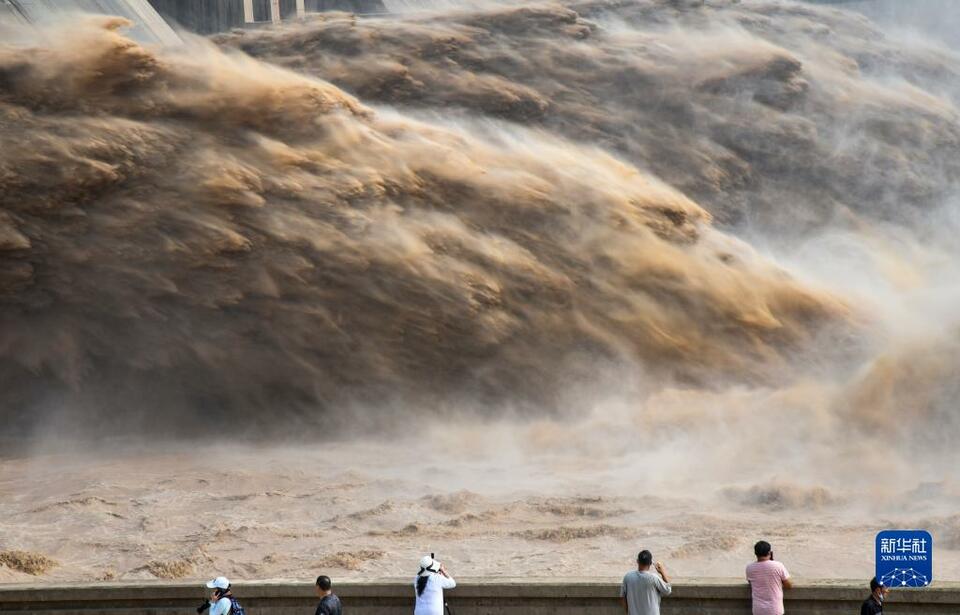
(697, 252)
(232, 236)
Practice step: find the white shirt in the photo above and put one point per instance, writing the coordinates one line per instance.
(430, 602)
(221, 607)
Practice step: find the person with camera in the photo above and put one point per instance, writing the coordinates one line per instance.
(221, 601)
(641, 590)
(429, 585)
(767, 579)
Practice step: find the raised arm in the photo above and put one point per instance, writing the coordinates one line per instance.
(663, 583)
(663, 572)
(446, 581)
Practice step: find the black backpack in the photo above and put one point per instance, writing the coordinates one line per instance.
(235, 608)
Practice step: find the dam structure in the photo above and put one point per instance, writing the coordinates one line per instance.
(155, 20)
(149, 26)
(211, 16)
(152, 19)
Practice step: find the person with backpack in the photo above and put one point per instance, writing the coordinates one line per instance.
(221, 601)
(429, 585)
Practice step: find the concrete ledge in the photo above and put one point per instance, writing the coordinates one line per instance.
(486, 596)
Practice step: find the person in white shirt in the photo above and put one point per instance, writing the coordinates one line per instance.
(429, 585)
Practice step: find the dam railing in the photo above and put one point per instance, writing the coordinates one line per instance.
(489, 596)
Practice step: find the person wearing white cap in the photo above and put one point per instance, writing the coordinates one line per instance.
(429, 585)
(220, 599)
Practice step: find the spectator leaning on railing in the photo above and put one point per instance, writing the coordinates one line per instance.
(767, 579)
(642, 589)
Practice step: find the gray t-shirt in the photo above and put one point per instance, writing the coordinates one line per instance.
(643, 591)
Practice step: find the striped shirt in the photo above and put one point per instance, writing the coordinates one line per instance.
(766, 584)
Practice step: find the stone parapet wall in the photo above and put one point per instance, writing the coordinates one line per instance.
(471, 597)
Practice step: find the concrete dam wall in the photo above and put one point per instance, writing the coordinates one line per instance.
(471, 597)
(151, 17)
(148, 25)
(208, 16)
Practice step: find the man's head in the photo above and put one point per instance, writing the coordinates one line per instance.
(763, 550)
(324, 585)
(877, 588)
(220, 587)
(644, 560)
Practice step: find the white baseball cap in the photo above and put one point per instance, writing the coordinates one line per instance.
(219, 583)
(428, 565)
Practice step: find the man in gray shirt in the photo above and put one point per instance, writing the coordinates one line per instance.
(641, 590)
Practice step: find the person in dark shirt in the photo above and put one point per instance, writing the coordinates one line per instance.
(874, 604)
(329, 603)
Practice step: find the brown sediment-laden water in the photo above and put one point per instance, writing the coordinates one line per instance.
(514, 281)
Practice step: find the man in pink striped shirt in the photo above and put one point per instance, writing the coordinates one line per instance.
(767, 579)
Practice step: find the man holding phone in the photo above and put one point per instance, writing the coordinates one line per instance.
(767, 579)
(641, 590)
(220, 603)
